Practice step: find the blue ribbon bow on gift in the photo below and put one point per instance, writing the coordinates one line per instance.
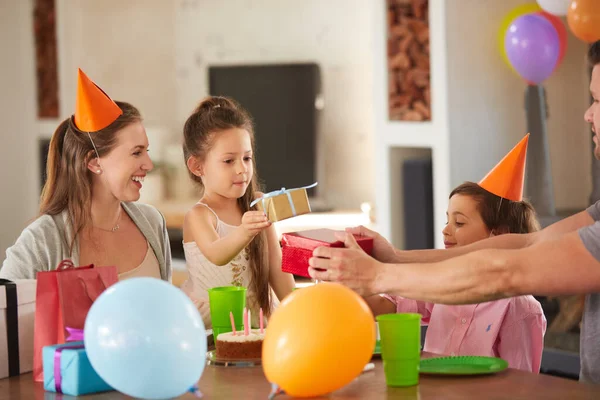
(281, 191)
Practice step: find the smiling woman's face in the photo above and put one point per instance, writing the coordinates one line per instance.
(123, 169)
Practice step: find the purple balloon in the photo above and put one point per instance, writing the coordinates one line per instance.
(532, 46)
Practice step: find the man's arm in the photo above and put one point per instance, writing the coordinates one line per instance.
(555, 266)
(567, 225)
(509, 241)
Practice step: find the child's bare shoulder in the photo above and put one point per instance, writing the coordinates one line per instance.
(200, 214)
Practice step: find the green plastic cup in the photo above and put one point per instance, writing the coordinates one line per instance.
(400, 348)
(223, 300)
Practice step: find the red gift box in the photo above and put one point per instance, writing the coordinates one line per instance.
(297, 248)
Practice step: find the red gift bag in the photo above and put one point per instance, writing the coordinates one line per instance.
(63, 299)
(297, 248)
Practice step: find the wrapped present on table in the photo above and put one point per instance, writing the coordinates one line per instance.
(285, 203)
(297, 248)
(17, 312)
(68, 370)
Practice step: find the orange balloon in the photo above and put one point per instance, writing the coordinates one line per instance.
(583, 18)
(318, 340)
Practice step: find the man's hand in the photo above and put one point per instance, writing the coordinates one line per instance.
(350, 266)
(382, 249)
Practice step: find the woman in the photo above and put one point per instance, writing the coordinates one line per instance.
(97, 162)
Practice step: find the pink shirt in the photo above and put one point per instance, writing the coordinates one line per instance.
(512, 329)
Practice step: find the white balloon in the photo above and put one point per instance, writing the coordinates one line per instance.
(556, 7)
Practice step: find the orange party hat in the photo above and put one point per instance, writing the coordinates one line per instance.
(507, 178)
(94, 110)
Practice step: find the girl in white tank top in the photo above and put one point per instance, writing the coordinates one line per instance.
(226, 243)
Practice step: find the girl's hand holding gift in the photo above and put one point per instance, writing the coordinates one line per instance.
(253, 222)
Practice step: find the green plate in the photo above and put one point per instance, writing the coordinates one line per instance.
(462, 365)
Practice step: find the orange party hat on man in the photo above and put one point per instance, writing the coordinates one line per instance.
(507, 178)
(94, 110)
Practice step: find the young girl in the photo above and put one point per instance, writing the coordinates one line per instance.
(512, 329)
(226, 243)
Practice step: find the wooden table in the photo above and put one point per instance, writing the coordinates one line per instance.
(250, 383)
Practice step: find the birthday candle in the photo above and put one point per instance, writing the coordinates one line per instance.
(246, 332)
(232, 322)
(244, 320)
(261, 321)
(249, 321)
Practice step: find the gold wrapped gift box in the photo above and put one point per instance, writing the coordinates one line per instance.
(284, 203)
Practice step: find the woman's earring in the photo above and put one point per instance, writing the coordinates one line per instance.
(98, 171)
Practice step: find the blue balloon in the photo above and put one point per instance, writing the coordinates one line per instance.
(146, 339)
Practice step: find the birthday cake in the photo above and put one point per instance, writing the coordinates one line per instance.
(236, 346)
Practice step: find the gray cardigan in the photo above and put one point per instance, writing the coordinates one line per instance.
(45, 243)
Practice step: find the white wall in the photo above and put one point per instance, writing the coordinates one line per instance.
(127, 48)
(336, 34)
(18, 161)
(486, 101)
(155, 53)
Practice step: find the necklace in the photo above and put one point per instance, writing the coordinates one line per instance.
(114, 228)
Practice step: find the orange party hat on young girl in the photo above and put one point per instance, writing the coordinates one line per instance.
(507, 178)
(94, 110)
